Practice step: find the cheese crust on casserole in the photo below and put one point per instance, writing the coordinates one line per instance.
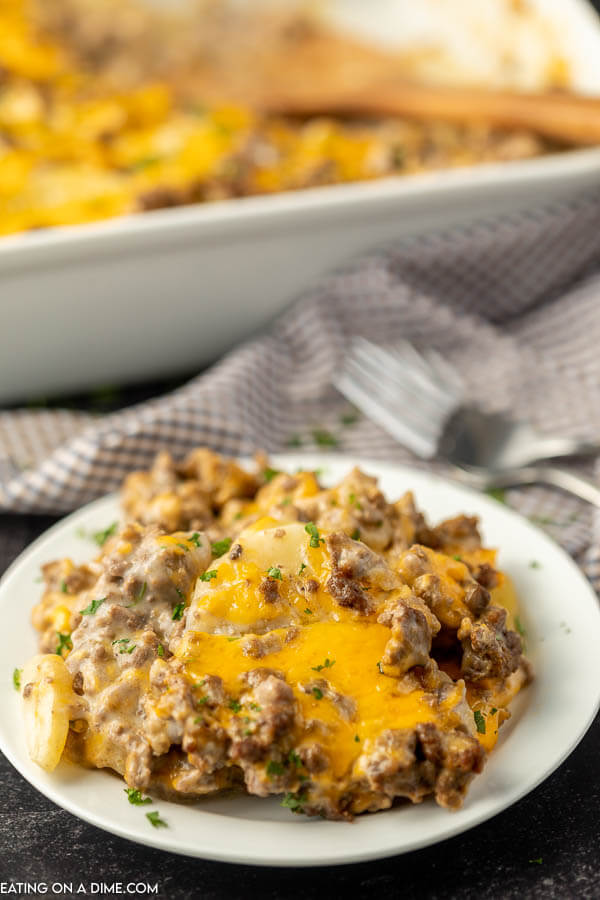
(93, 127)
(324, 645)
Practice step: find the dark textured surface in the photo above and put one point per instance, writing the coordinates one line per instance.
(558, 822)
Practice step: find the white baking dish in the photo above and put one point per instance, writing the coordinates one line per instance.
(168, 291)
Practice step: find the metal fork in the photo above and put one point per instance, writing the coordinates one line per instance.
(418, 399)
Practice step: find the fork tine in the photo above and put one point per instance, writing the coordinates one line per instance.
(409, 395)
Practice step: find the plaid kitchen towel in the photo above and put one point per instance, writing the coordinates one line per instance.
(513, 303)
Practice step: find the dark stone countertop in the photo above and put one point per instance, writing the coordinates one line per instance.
(559, 822)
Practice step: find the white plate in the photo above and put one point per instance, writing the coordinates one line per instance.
(561, 615)
(187, 284)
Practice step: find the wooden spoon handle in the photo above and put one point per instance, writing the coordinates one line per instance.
(570, 118)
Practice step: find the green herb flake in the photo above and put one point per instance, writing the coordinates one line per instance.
(274, 768)
(315, 539)
(293, 802)
(537, 861)
(92, 607)
(160, 650)
(326, 665)
(294, 441)
(286, 501)
(352, 498)
(494, 710)
(308, 611)
(302, 568)
(155, 820)
(355, 534)
(64, 587)
(101, 537)
(221, 547)
(519, 627)
(457, 557)
(198, 720)
(350, 418)
(202, 700)
(269, 474)
(64, 643)
(479, 721)
(230, 639)
(183, 547)
(380, 667)
(357, 739)
(498, 494)
(274, 572)
(178, 612)
(324, 438)
(318, 693)
(123, 648)
(135, 797)
(180, 593)
(255, 707)
(294, 758)
(206, 576)
(17, 679)
(235, 705)
(534, 564)
(195, 539)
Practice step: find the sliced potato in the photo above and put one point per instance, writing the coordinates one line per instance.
(47, 694)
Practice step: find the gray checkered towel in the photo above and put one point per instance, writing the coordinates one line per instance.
(514, 303)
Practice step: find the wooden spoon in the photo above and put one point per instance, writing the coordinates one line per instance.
(565, 117)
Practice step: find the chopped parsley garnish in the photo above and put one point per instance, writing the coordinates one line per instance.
(539, 860)
(494, 710)
(202, 701)
(155, 820)
(17, 679)
(269, 473)
(230, 639)
(308, 611)
(235, 705)
(274, 572)
(534, 564)
(355, 534)
(183, 547)
(160, 650)
(286, 501)
(457, 557)
(357, 739)
(274, 768)
(101, 537)
(198, 720)
(498, 494)
(195, 539)
(178, 612)
(293, 802)
(123, 648)
(354, 501)
(302, 568)
(221, 547)
(318, 693)
(206, 576)
(315, 539)
(256, 707)
(294, 758)
(479, 721)
(64, 643)
(349, 418)
(324, 438)
(135, 797)
(519, 627)
(180, 593)
(64, 587)
(326, 665)
(380, 667)
(92, 607)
